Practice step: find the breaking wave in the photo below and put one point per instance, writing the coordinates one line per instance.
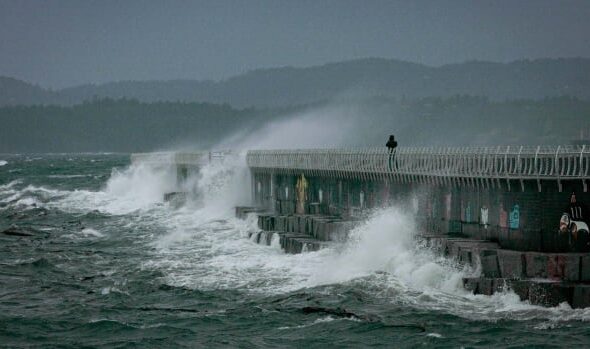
(200, 245)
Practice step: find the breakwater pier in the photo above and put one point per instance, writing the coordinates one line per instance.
(518, 215)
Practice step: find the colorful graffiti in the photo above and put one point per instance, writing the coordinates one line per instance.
(484, 216)
(468, 212)
(301, 188)
(503, 219)
(448, 206)
(514, 218)
(574, 219)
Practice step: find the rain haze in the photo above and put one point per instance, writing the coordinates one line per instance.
(65, 43)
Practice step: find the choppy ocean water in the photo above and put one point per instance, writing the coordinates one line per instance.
(106, 264)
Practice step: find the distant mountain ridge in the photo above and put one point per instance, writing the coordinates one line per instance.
(274, 87)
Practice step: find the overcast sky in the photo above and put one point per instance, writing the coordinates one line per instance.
(64, 43)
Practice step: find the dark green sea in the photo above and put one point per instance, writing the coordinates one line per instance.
(99, 261)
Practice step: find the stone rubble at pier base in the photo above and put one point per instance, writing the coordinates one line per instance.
(541, 278)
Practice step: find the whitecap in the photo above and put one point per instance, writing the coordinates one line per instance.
(89, 232)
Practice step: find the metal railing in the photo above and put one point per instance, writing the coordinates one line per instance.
(197, 158)
(502, 162)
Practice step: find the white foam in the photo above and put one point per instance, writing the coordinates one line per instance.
(137, 187)
(89, 232)
(3, 162)
(202, 246)
(10, 184)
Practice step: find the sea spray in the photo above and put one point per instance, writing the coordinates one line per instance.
(169, 262)
(141, 184)
(386, 243)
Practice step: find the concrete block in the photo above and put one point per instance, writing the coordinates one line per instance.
(453, 249)
(314, 208)
(338, 231)
(585, 268)
(471, 284)
(291, 242)
(309, 225)
(291, 224)
(564, 267)
(490, 267)
(550, 293)
(486, 286)
(436, 244)
(300, 224)
(465, 256)
(581, 296)
(520, 287)
(499, 285)
(511, 264)
(321, 230)
(281, 223)
(536, 264)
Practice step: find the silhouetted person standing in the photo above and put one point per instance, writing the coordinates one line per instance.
(391, 145)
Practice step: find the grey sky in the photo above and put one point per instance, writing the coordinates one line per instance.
(63, 43)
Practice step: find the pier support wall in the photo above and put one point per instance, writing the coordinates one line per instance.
(518, 215)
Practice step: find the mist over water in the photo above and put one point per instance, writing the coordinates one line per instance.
(331, 126)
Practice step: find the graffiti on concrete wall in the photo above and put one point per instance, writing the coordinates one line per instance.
(574, 219)
(503, 219)
(301, 188)
(514, 219)
(468, 212)
(484, 216)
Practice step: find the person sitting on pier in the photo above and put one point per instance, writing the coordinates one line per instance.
(391, 145)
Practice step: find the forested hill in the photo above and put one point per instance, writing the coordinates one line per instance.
(17, 92)
(123, 125)
(132, 126)
(526, 79)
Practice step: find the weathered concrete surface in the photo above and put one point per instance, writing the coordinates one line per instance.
(176, 198)
(297, 233)
(243, 211)
(539, 292)
(542, 278)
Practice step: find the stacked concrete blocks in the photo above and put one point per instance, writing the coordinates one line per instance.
(301, 233)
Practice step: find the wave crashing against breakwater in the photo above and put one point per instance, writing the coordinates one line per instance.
(111, 236)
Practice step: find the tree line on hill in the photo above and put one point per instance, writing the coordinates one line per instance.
(128, 125)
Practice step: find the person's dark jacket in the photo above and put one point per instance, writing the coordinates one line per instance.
(391, 144)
